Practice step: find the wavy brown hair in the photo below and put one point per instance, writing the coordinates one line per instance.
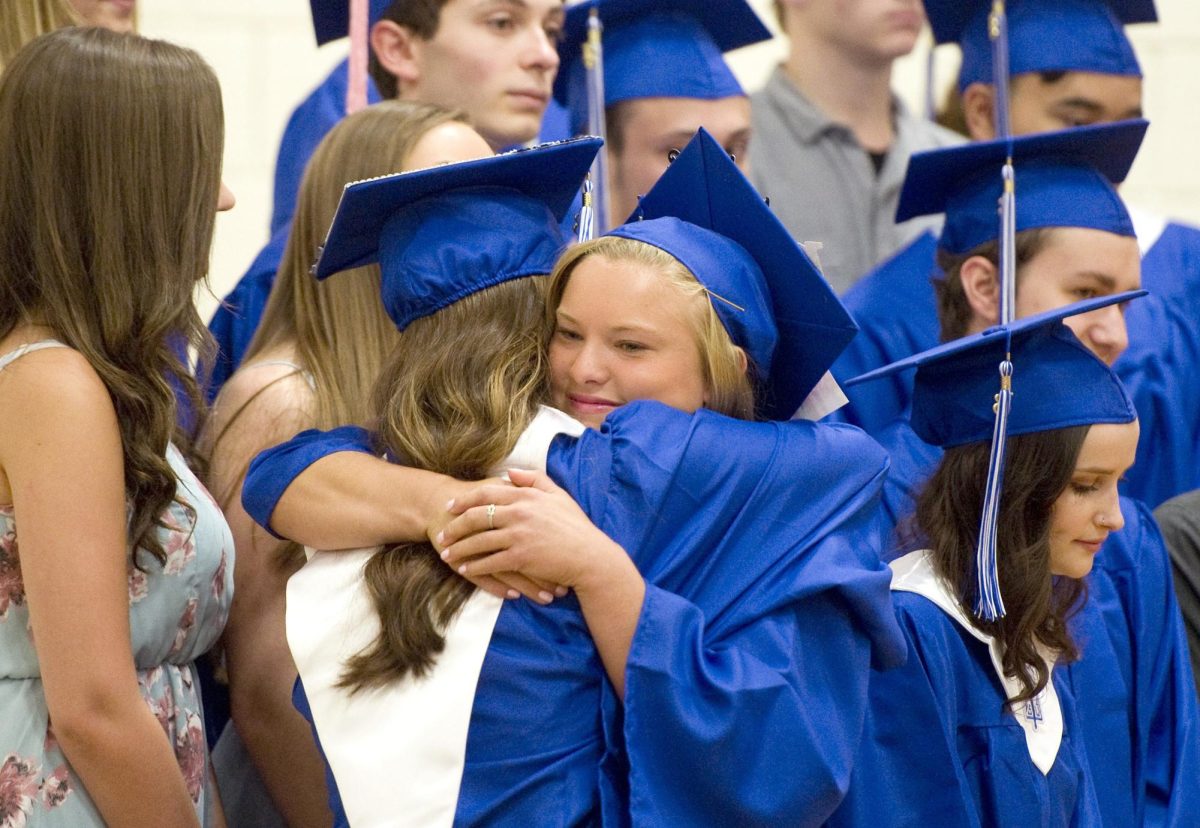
(458, 390)
(1038, 468)
(110, 168)
(338, 327)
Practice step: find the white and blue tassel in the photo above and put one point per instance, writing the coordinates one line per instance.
(989, 604)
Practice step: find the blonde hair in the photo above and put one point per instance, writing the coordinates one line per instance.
(110, 168)
(341, 333)
(23, 20)
(454, 398)
(730, 388)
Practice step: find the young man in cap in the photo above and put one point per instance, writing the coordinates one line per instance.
(494, 59)
(664, 78)
(831, 140)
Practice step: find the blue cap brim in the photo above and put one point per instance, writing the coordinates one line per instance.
(949, 19)
(934, 177)
(704, 187)
(549, 173)
(1056, 381)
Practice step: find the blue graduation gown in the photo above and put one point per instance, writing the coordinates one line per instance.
(896, 311)
(1132, 684)
(941, 748)
(766, 604)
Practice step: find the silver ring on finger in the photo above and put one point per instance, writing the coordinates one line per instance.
(491, 515)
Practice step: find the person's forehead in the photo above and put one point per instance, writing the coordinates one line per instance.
(539, 7)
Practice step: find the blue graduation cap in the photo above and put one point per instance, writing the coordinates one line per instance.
(1063, 179)
(331, 18)
(445, 232)
(1047, 380)
(1057, 382)
(656, 49)
(769, 295)
(1043, 35)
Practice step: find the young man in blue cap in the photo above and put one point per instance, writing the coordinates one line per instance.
(831, 140)
(494, 59)
(664, 78)
(1074, 240)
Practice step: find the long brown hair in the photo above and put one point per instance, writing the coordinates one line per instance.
(110, 168)
(338, 328)
(23, 20)
(454, 398)
(1038, 468)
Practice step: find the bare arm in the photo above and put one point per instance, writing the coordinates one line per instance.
(60, 454)
(540, 532)
(258, 407)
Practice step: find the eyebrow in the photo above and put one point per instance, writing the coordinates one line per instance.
(566, 317)
(1095, 470)
(1104, 279)
(1081, 103)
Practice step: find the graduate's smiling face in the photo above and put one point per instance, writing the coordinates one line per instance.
(493, 59)
(1088, 509)
(622, 333)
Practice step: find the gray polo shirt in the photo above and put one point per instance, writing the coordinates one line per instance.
(1179, 519)
(822, 184)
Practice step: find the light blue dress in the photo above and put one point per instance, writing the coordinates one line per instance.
(176, 613)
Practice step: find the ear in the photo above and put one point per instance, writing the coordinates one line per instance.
(398, 51)
(743, 360)
(981, 287)
(979, 111)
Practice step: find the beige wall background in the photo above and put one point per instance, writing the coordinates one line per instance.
(266, 58)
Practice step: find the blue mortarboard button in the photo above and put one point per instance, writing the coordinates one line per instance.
(1043, 35)
(1063, 179)
(768, 294)
(1057, 382)
(331, 18)
(445, 232)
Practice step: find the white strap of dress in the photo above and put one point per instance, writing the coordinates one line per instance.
(28, 348)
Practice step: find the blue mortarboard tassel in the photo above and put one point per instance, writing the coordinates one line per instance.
(593, 61)
(989, 604)
(998, 35)
(586, 230)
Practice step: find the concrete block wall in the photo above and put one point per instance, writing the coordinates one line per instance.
(264, 53)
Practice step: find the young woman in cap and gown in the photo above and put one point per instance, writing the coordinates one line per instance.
(313, 363)
(1073, 238)
(768, 661)
(115, 563)
(980, 726)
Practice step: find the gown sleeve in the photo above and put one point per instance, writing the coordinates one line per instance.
(766, 604)
(273, 470)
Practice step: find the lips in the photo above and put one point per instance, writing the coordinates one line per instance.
(530, 97)
(587, 404)
(1092, 546)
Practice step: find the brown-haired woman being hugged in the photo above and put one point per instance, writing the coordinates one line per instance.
(312, 364)
(979, 728)
(110, 158)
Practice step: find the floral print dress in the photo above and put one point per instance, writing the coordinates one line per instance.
(176, 611)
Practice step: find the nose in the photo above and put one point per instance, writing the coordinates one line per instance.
(226, 198)
(543, 52)
(1107, 334)
(588, 367)
(1110, 516)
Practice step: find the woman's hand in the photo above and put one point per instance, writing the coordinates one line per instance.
(508, 585)
(535, 530)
